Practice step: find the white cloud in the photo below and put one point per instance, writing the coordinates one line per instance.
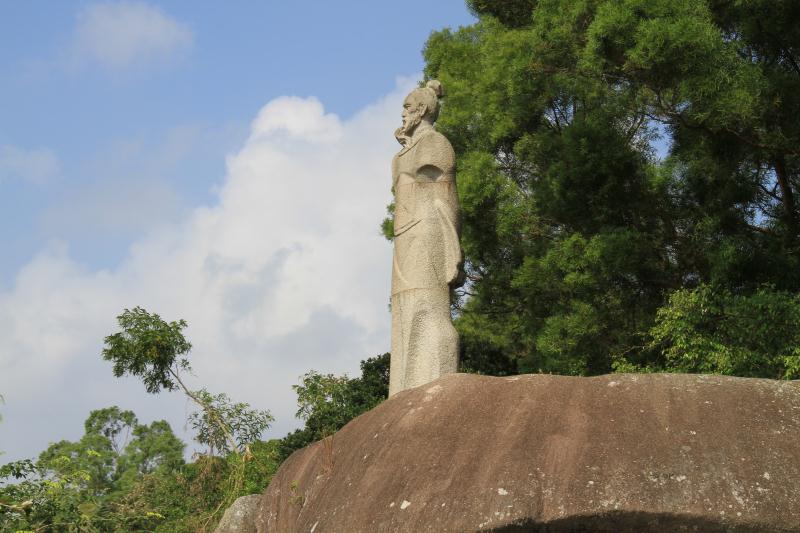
(295, 118)
(120, 35)
(287, 272)
(37, 165)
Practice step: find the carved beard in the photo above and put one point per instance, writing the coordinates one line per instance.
(403, 133)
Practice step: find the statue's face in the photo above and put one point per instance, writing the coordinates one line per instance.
(412, 113)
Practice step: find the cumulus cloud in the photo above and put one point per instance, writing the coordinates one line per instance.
(36, 165)
(120, 35)
(287, 272)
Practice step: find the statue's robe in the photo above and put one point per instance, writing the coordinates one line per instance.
(427, 260)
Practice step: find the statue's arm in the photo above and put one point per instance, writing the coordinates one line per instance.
(430, 172)
(453, 257)
(436, 159)
(438, 165)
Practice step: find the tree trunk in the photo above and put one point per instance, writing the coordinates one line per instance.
(787, 198)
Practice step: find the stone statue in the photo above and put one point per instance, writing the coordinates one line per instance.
(427, 255)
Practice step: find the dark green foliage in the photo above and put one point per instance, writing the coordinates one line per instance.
(138, 482)
(297, 439)
(512, 13)
(180, 501)
(387, 226)
(149, 348)
(373, 385)
(575, 234)
(152, 447)
(76, 486)
(126, 476)
(111, 423)
(262, 462)
(328, 402)
(712, 330)
(189, 499)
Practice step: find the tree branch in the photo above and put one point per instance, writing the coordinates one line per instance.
(208, 409)
(787, 198)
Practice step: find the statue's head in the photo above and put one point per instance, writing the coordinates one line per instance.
(421, 105)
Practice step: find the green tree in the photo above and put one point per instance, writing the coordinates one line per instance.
(243, 424)
(575, 233)
(152, 449)
(149, 348)
(126, 476)
(31, 501)
(75, 486)
(713, 330)
(327, 402)
(157, 352)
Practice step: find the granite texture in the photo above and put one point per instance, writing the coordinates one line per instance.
(427, 254)
(240, 517)
(621, 453)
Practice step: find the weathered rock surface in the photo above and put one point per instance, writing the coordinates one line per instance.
(549, 453)
(240, 517)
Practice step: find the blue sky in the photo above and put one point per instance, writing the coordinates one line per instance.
(226, 163)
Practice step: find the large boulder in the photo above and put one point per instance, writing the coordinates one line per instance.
(241, 516)
(658, 452)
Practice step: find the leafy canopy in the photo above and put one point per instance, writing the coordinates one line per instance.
(327, 402)
(614, 158)
(157, 352)
(149, 348)
(77, 486)
(245, 424)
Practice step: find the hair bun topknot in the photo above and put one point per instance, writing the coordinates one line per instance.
(436, 86)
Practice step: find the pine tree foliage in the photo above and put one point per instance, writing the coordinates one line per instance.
(613, 156)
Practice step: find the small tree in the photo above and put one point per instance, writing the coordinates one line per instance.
(327, 402)
(156, 351)
(149, 348)
(242, 423)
